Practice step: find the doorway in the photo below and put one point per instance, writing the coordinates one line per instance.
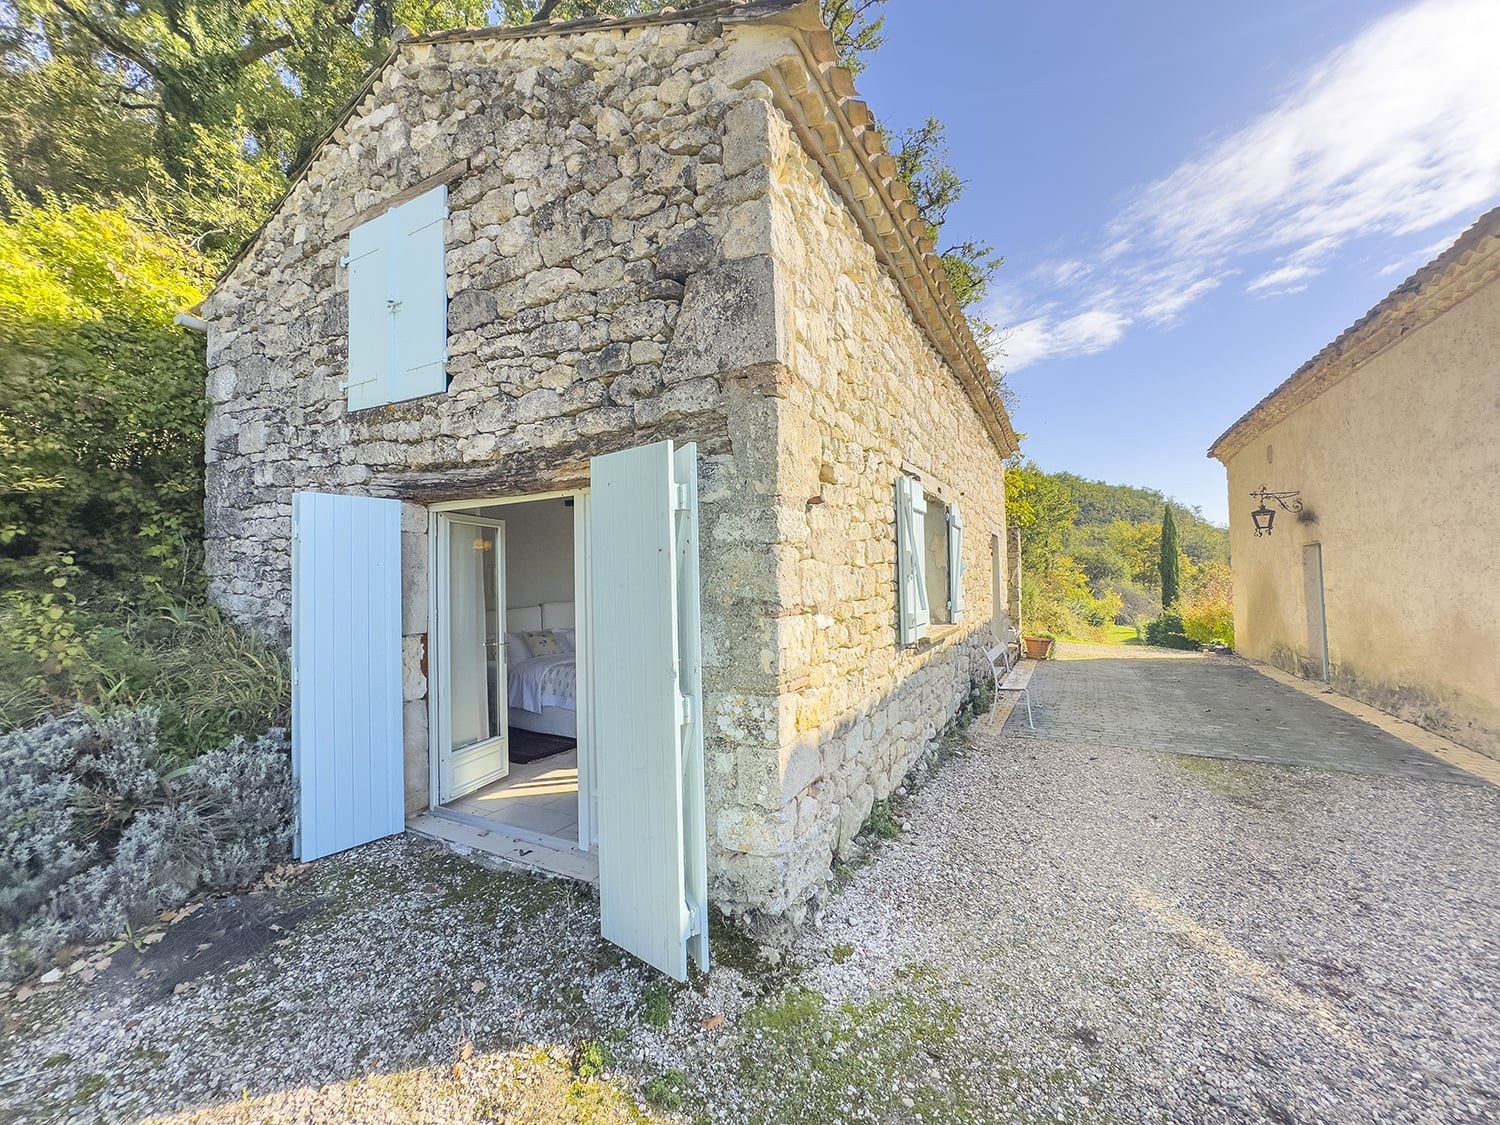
(509, 706)
(1317, 615)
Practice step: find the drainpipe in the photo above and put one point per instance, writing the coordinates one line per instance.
(187, 320)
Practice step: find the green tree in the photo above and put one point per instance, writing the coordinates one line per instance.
(1171, 570)
(1042, 510)
(196, 110)
(923, 163)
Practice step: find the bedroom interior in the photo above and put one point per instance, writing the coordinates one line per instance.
(511, 675)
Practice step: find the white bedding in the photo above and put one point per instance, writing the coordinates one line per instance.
(544, 681)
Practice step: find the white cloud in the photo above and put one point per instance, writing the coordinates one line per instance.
(1083, 334)
(1389, 135)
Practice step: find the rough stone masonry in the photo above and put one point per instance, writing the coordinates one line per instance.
(646, 238)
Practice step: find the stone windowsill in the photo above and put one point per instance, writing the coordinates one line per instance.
(937, 634)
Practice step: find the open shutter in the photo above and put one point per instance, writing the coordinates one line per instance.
(913, 614)
(955, 564)
(346, 671)
(371, 263)
(643, 591)
(420, 308)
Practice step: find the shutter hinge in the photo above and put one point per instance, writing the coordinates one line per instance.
(344, 262)
(684, 710)
(680, 497)
(692, 921)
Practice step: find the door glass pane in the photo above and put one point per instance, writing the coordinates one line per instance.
(474, 633)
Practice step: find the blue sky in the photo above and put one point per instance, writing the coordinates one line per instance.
(1192, 199)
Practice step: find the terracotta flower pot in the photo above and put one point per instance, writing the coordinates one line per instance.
(1037, 648)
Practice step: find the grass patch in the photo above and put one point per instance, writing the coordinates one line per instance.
(210, 679)
(809, 1062)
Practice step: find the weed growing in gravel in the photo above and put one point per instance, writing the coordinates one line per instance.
(656, 1005)
(842, 951)
(665, 1091)
(882, 823)
(590, 1058)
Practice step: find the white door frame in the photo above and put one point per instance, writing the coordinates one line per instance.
(440, 669)
(582, 562)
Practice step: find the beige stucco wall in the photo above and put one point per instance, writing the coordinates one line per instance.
(1399, 469)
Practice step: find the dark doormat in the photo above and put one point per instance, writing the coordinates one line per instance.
(531, 746)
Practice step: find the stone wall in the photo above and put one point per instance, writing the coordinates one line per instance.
(600, 298)
(593, 299)
(636, 249)
(862, 394)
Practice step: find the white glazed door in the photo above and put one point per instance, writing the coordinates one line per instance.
(644, 598)
(469, 655)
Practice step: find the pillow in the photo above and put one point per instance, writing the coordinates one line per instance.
(542, 643)
(516, 651)
(568, 637)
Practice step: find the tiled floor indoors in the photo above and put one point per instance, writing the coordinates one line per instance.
(540, 796)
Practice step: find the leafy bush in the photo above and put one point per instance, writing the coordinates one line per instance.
(1166, 632)
(1060, 602)
(101, 399)
(1208, 609)
(208, 679)
(98, 835)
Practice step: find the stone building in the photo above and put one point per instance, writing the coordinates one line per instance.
(615, 348)
(1381, 573)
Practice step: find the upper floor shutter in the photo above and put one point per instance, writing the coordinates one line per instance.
(420, 313)
(371, 263)
(913, 615)
(398, 303)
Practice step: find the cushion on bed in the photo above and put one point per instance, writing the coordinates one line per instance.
(543, 643)
(568, 637)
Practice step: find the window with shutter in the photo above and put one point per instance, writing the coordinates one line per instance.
(955, 564)
(398, 303)
(911, 561)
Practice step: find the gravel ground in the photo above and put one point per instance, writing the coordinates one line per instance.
(1062, 933)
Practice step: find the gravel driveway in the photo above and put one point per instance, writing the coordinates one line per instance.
(1063, 932)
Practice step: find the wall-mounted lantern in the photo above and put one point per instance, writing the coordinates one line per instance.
(1264, 516)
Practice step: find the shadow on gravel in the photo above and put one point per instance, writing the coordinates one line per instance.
(224, 932)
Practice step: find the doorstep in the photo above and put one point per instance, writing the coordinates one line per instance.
(531, 850)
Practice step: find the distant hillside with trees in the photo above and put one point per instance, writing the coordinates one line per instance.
(1091, 559)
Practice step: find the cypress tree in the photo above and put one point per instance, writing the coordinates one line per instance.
(1169, 569)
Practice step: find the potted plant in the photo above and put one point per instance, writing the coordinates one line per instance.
(1038, 647)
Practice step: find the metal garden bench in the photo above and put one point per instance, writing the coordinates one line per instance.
(1011, 675)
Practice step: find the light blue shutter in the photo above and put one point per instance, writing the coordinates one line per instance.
(346, 671)
(653, 865)
(420, 292)
(955, 564)
(371, 264)
(913, 615)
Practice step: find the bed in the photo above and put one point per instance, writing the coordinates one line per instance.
(542, 690)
